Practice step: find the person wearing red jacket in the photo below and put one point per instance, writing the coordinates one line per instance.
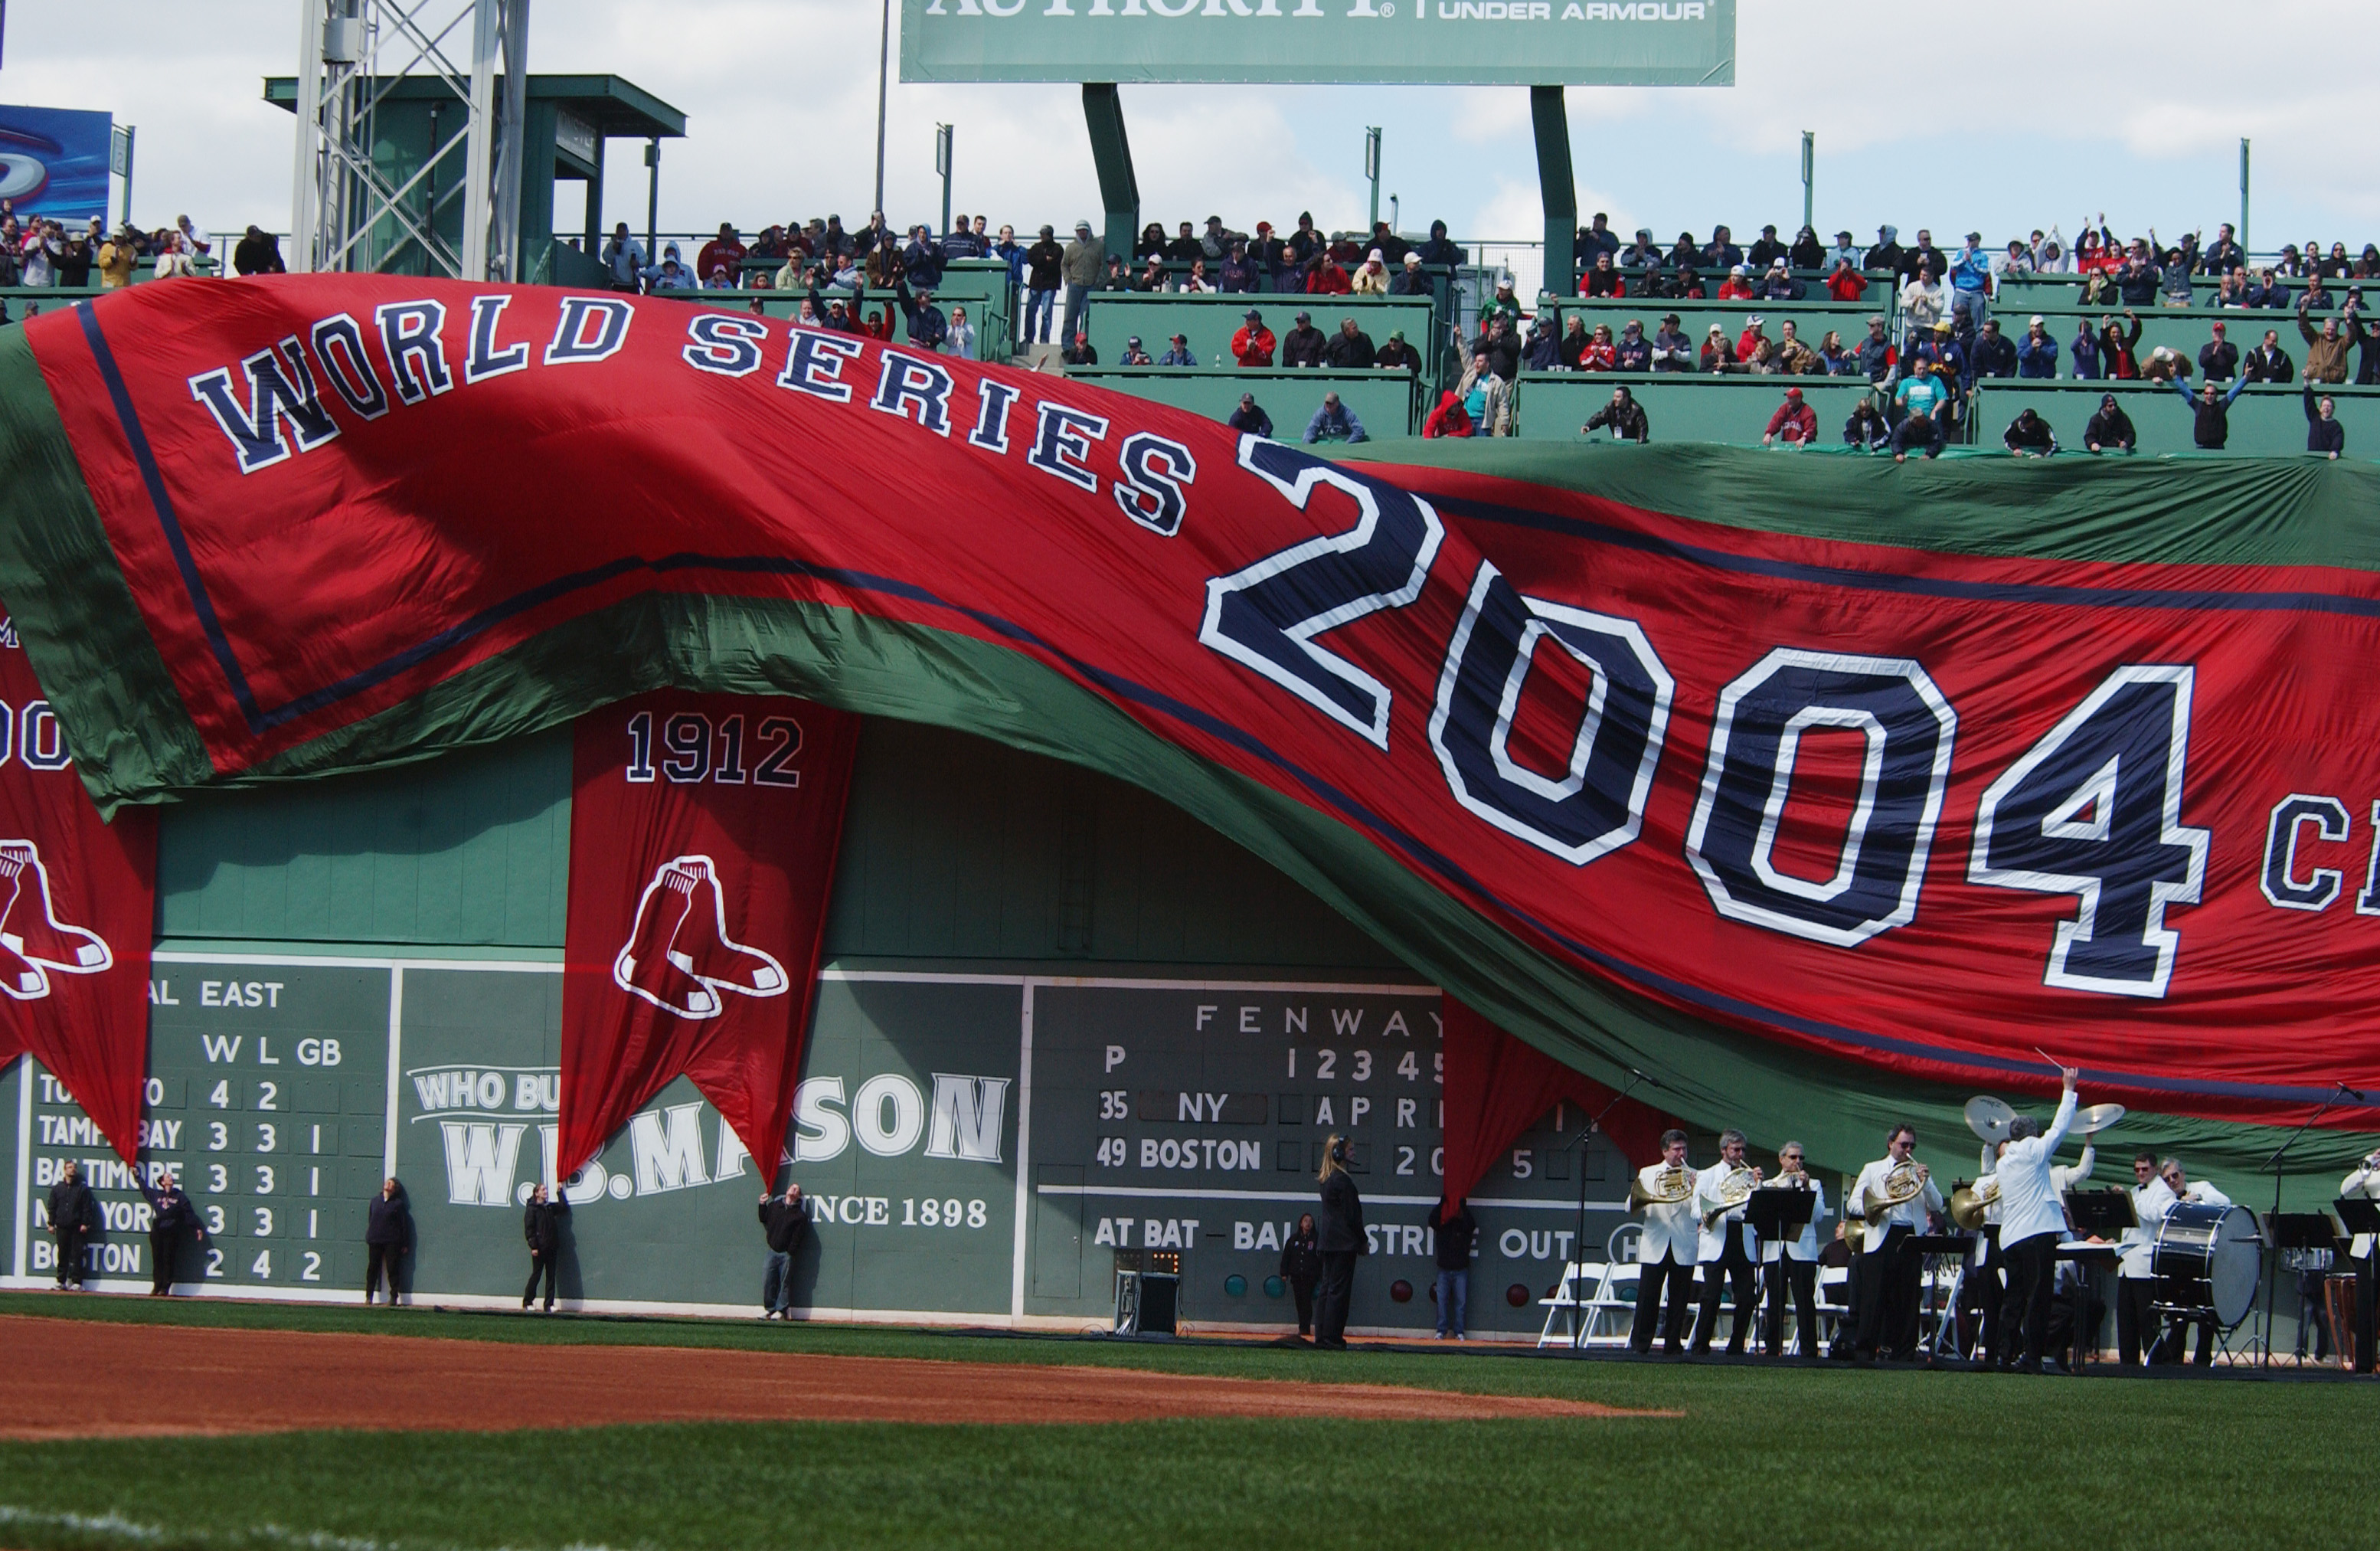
(1450, 418)
(1794, 423)
(724, 251)
(1737, 287)
(1254, 345)
(1754, 331)
(1846, 283)
(1330, 278)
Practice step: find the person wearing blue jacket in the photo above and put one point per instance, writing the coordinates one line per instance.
(2036, 353)
(1250, 419)
(2212, 410)
(927, 328)
(1334, 422)
(2085, 347)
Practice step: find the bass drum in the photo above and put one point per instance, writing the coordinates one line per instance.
(2208, 1259)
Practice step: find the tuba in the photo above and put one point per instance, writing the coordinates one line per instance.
(1670, 1186)
(1967, 1202)
(1731, 1193)
(1900, 1186)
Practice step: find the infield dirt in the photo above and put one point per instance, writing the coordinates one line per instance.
(76, 1379)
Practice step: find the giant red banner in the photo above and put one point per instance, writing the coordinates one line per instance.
(77, 903)
(1918, 768)
(703, 831)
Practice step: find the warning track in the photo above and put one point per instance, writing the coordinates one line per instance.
(143, 1380)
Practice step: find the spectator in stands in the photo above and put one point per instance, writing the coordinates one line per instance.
(921, 260)
(1115, 278)
(1440, 252)
(117, 258)
(2028, 435)
(2085, 349)
(1755, 329)
(194, 245)
(1794, 355)
(960, 341)
(1683, 285)
(1597, 239)
(1179, 353)
(1722, 253)
(1687, 254)
(2036, 353)
(1766, 252)
(1867, 429)
(1080, 266)
(1305, 245)
(1134, 354)
(1996, 356)
(1412, 279)
(1450, 418)
(2316, 296)
(1186, 246)
(1249, 419)
(2324, 433)
(1641, 253)
(1082, 352)
(1844, 282)
(720, 278)
(1574, 343)
(1672, 352)
(1239, 272)
(1334, 422)
(1719, 355)
(1398, 356)
(2138, 281)
(624, 257)
(2223, 254)
(1541, 351)
(1604, 279)
(1885, 256)
(1487, 395)
(1254, 344)
(1794, 423)
(1008, 251)
(1350, 349)
(670, 274)
(2269, 362)
(1925, 301)
(1599, 354)
(1503, 341)
(1150, 244)
(1504, 305)
(259, 253)
(1633, 352)
(2265, 289)
(1303, 346)
(1762, 358)
(1924, 403)
(1952, 365)
(2017, 260)
(1971, 279)
(1806, 253)
(1834, 358)
(1842, 252)
(2326, 352)
(1044, 272)
(1780, 285)
(1623, 415)
(2233, 291)
(2110, 427)
(1372, 279)
(2219, 358)
(1925, 255)
(2366, 337)
(2211, 412)
(1152, 278)
(1738, 285)
(1878, 358)
(962, 242)
(927, 326)
(1215, 244)
(2116, 348)
(1392, 248)
(726, 250)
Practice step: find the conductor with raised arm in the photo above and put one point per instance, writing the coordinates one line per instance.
(2033, 1218)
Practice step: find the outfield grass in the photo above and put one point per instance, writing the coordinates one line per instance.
(1762, 1458)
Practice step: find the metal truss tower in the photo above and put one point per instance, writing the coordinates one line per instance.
(365, 201)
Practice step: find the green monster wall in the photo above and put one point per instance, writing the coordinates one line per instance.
(1057, 1020)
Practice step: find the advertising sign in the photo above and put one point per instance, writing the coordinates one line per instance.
(54, 162)
(1527, 42)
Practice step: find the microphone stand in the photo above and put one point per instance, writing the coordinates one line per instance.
(1586, 1138)
(2272, 1224)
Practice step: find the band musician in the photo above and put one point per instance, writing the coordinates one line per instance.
(2365, 1251)
(1724, 1244)
(2135, 1278)
(2176, 1326)
(1791, 1266)
(2032, 1220)
(1666, 1251)
(1896, 1198)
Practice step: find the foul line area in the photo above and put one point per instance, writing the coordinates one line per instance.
(228, 1381)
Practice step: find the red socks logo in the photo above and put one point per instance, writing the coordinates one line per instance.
(33, 941)
(679, 957)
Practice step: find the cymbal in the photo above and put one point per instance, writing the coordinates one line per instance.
(2097, 1117)
(1989, 1117)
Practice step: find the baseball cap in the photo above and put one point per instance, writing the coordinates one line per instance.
(1181, 339)
(1756, 318)
(1082, 225)
(1304, 317)
(1792, 393)
(1669, 317)
(1941, 325)
(2038, 319)
(1254, 316)
(1133, 341)
(1373, 257)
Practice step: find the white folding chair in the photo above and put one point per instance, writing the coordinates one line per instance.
(1564, 1308)
(1615, 1300)
(1834, 1302)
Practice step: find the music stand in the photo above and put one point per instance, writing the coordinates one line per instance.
(1778, 1214)
(2101, 1213)
(2360, 1216)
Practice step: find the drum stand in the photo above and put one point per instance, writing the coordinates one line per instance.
(2274, 1163)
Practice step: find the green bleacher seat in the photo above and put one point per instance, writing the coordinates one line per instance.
(1211, 321)
(2263, 420)
(1681, 406)
(1384, 402)
(2180, 328)
(1812, 319)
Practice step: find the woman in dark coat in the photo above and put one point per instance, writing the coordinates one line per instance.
(386, 1234)
(541, 1227)
(1341, 1239)
(1301, 1267)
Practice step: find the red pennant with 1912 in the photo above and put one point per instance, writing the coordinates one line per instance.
(703, 833)
(78, 901)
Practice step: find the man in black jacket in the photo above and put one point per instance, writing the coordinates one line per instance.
(169, 1213)
(385, 1235)
(2218, 359)
(1623, 415)
(1350, 347)
(2269, 362)
(1341, 1238)
(2111, 427)
(1302, 345)
(2324, 433)
(541, 1227)
(1454, 1233)
(2028, 435)
(1301, 1267)
(74, 1212)
(2212, 412)
(1251, 419)
(785, 1219)
(1994, 355)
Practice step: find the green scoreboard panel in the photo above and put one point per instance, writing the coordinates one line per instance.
(1192, 1117)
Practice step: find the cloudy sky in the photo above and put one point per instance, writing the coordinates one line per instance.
(2001, 118)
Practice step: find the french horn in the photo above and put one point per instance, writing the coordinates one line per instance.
(1670, 1186)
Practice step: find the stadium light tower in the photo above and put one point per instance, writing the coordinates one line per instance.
(347, 212)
